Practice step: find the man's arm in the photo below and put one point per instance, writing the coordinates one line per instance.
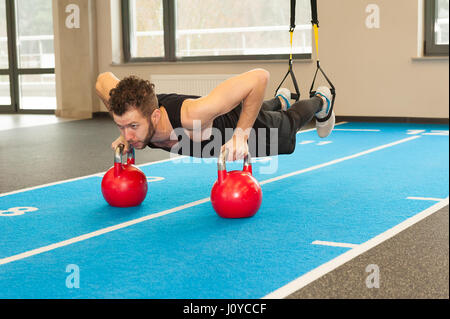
(105, 83)
(248, 88)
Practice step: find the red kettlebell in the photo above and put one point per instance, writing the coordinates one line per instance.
(124, 185)
(236, 194)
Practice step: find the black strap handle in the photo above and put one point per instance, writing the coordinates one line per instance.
(312, 93)
(294, 96)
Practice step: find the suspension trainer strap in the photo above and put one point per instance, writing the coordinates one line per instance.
(315, 23)
(295, 96)
(314, 17)
(292, 27)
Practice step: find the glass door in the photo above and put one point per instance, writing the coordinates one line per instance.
(27, 59)
(6, 104)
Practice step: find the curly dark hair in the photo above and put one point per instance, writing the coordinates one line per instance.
(133, 92)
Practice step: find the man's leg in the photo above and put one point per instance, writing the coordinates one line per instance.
(286, 125)
(280, 102)
(325, 118)
(303, 111)
(320, 107)
(272, 104)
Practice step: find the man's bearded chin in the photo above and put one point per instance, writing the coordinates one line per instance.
(150, 133)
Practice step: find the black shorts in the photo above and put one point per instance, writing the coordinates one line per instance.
(274, 132)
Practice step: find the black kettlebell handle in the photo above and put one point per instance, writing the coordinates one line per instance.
(119, 151)
(221, 162)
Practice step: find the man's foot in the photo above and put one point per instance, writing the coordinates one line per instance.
(324, 128)
(285, 96)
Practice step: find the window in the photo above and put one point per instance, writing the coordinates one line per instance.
(195, 30)
(436, 27)
(27, 59)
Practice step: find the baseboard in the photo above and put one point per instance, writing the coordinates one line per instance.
(101, 115)
(381, 119)
(73, 114)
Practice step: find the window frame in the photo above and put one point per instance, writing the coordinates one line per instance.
(430, 48)
(170, 42)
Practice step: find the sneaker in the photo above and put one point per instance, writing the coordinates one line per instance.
(285, 95)
(324, 128)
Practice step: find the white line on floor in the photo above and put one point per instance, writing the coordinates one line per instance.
(318, 272)
(84, 177)
(99, 232)
(175, 209)
(340, 160)
(442, 133)
(426, 198)
(355, 130)
(313, 129)
(333, 244)
(173, 158)
(324, 143)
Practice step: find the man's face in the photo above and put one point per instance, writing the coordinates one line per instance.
(136, 129)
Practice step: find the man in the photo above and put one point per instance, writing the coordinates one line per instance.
(167, 120)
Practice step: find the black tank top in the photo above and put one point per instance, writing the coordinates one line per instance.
(208, 148)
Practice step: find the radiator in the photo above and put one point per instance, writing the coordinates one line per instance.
(190, 84)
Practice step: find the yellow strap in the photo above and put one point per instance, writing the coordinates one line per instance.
(316, 36)
(292, 35)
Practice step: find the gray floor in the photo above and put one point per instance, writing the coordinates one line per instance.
(413, 264)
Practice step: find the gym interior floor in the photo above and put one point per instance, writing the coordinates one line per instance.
(59, 150)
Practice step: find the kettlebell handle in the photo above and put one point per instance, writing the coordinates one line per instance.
(118, 154)
(221, 162)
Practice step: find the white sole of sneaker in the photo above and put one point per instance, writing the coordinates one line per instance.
(325, 128)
